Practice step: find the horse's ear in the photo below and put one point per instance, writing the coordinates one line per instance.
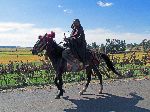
(45, 35)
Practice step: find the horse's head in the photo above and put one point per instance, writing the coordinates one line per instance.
(42, 43)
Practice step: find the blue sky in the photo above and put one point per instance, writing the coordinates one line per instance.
(21, 21)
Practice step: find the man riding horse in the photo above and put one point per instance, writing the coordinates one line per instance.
(76, 44)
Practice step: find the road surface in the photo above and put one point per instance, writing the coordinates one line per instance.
(118, 96)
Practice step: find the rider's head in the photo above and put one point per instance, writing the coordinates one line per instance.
(76, 23)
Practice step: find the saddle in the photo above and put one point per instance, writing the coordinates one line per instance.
(74, 65)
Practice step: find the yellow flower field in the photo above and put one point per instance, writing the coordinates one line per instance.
(17, 56)
(25, 55)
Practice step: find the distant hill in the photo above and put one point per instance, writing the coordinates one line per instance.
(9, 46)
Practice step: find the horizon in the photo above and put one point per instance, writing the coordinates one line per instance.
(14, 46)
(21, 22)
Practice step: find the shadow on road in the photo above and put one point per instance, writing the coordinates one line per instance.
(107, 103)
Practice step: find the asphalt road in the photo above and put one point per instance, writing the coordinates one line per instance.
(118, 96)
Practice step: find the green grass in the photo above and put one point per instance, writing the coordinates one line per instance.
(47, 77)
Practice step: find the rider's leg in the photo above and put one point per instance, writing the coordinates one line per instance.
(66, 54)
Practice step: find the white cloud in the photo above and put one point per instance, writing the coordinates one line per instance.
(13, 26)
(68, 11)
(60, 6)
(104, 4)
(20, 34)
(65, 10)
(100, 35)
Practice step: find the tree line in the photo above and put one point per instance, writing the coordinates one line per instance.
(120, 46)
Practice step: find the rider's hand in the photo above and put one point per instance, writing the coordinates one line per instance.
(65, 39)
(74, 37)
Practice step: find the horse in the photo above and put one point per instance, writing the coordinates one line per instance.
(54, 52)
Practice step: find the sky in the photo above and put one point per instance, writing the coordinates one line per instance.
(22, 21)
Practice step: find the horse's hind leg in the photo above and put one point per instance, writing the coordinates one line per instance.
(95, 68)
(88, 72)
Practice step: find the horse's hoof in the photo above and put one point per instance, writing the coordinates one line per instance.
(81, 93)
(100, 92)
(64, 91)
(57, 97)
(84, 90)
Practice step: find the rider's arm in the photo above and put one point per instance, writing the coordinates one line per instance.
(77, 33)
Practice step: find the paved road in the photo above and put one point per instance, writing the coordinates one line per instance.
(118, 96)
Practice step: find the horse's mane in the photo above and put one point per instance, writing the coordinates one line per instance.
(57, 49)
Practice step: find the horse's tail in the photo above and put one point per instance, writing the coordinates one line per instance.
(109, 63)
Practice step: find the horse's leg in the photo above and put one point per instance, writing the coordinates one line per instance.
(95, 68)
(88, 72)
(59, 80)
(59, 86)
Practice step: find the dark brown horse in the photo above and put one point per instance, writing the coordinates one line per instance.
(54, 52)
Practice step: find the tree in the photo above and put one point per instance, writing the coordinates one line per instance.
(146, 44)
(115, 45)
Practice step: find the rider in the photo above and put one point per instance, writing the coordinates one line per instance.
(77, 42)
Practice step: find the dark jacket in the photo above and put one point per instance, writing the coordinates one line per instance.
(78, 43)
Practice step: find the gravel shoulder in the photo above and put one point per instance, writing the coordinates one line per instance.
(118, 96)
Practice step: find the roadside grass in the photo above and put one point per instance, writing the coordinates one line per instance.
(47, 77)
(42, 77)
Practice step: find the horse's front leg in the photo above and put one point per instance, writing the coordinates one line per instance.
(88, 72)
(59, 84)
